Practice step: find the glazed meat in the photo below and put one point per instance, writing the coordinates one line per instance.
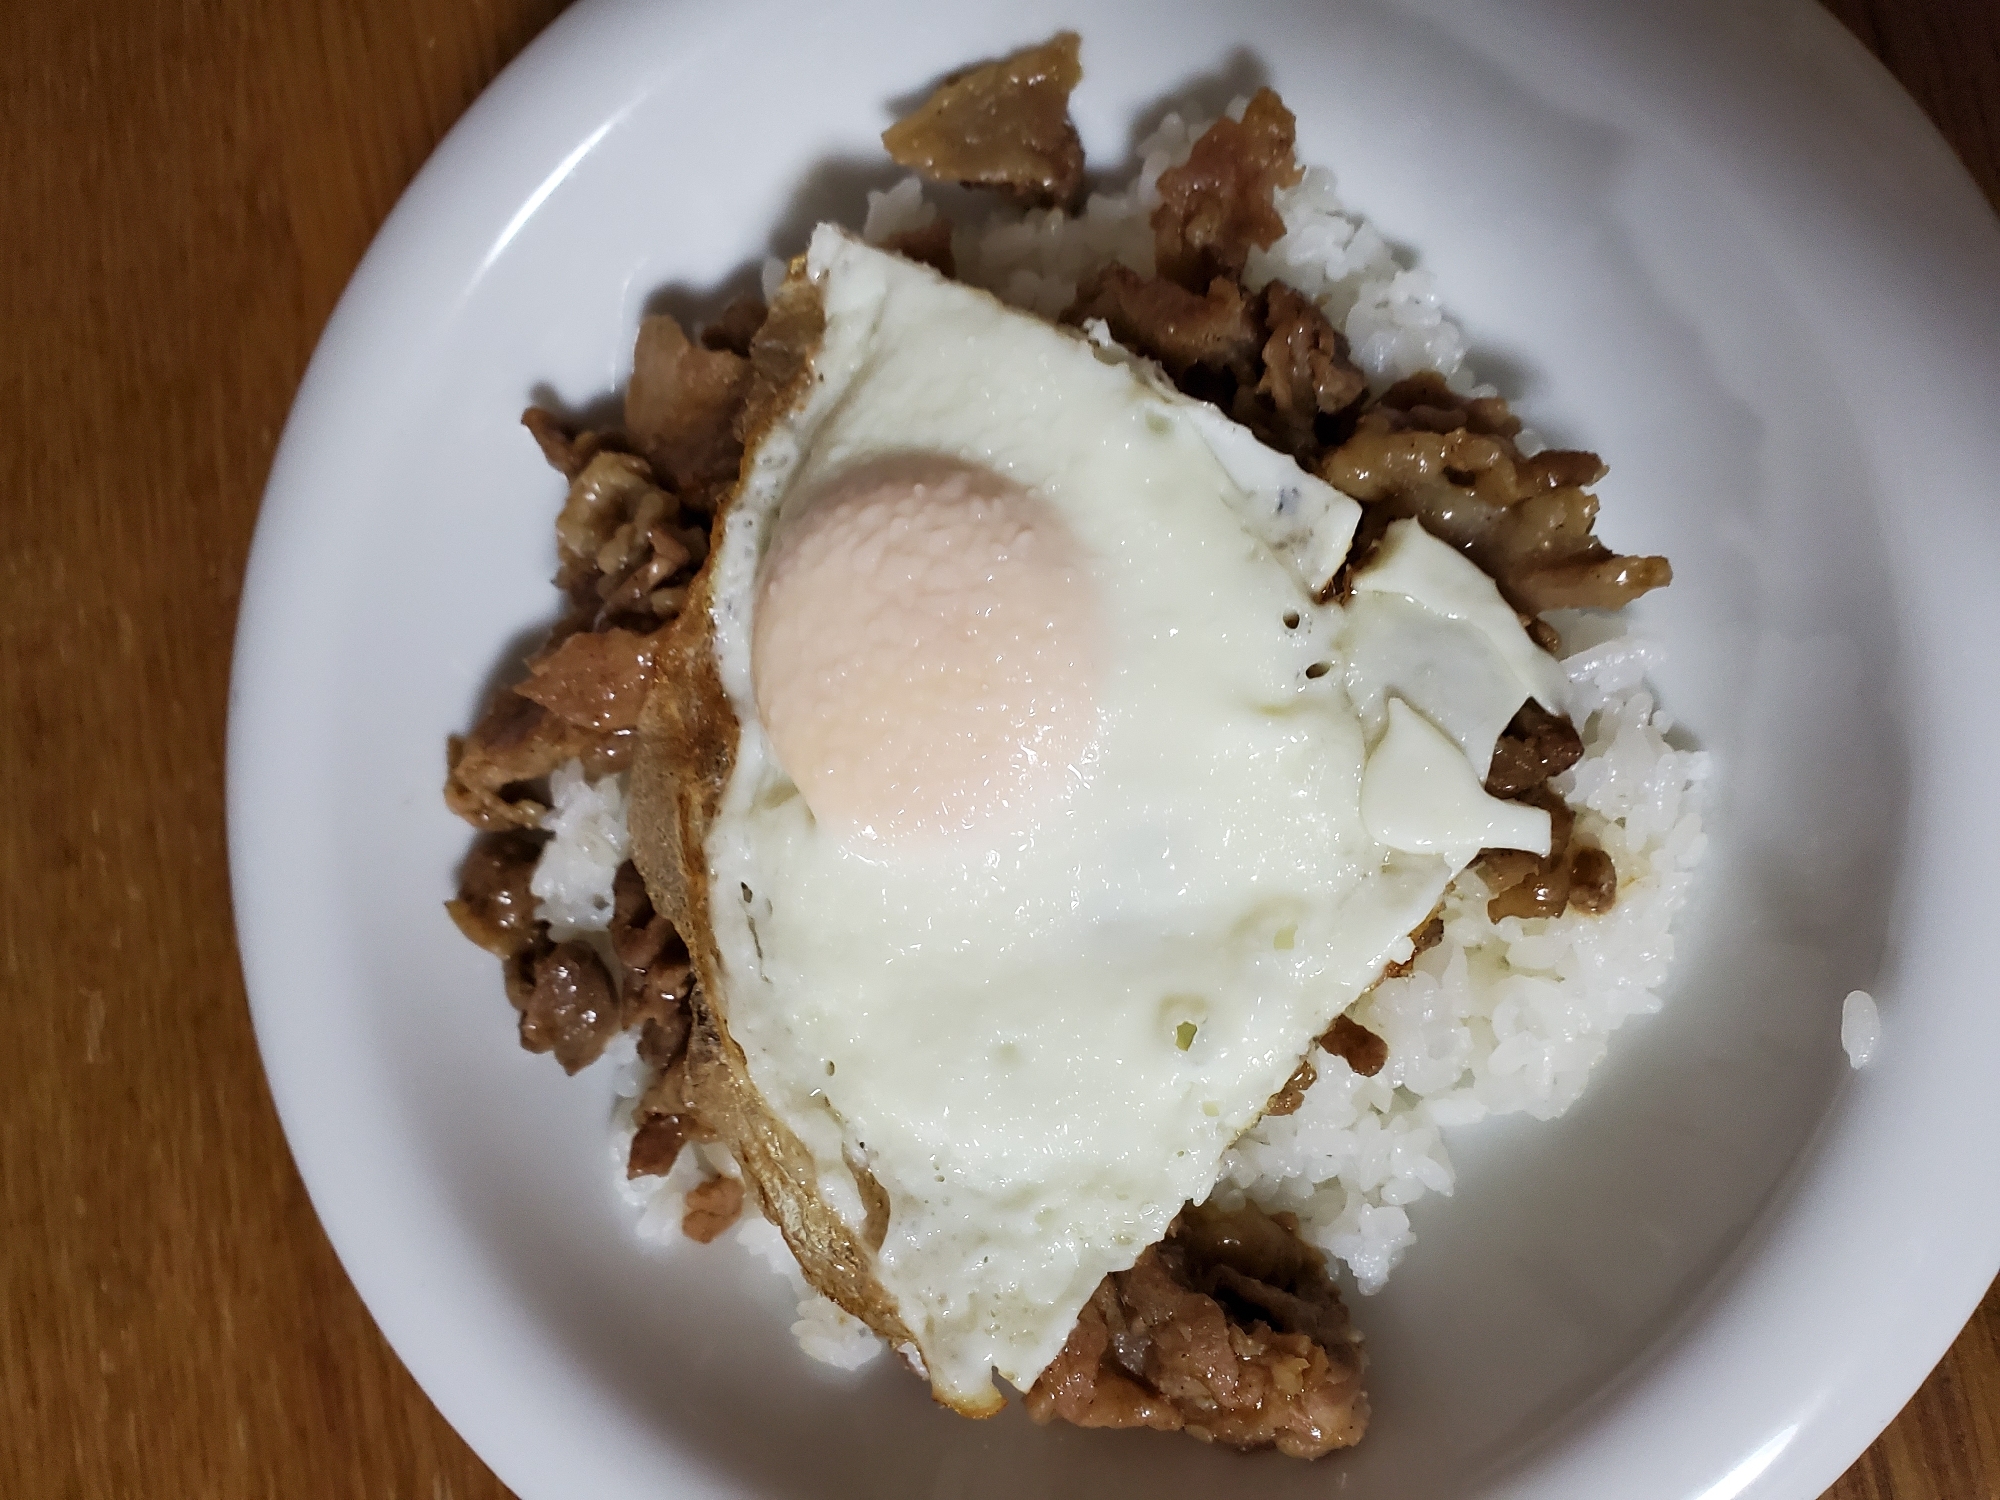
(1572, 873)
(1228, 1330)
(659, 976)
(626, 548)
(1362, 1049)
(1423, 450)
(568, 1007)
(1217, 206)
(1307, 374)
(1534, 746)
(712, 1206)
(1270, 359)
(1212, 334)
(682, 404)
(495, 774)
(1004, 125)
(736, 327)
(494, 907)
(594, 679)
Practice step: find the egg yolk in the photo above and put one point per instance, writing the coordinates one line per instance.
(923, 655)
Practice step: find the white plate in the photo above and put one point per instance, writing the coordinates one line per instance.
(1712, 241)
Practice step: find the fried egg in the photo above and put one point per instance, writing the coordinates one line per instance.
(1066, 808)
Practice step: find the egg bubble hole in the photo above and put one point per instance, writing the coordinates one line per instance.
(1497, 1029)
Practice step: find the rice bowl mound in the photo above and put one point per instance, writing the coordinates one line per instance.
(1489, 1015)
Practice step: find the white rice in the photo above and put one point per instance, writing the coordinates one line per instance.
(824, 1329)
(1860, 1028)
(1500, 1017)
(574, 876)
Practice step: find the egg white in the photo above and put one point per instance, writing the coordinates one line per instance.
(1040, 1043)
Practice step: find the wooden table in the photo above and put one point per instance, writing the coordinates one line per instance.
(186, 188)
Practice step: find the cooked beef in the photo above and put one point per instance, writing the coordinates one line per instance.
(1534, 746)
(1593, 880)
(661, 1042)
(1288, 1099)
(1307, 374)
(736, 327)
(494, 907)
(656, 1146)
(682, 404)
(1087, 1385)
(594, 679)
(1270, 359)
(1572, 873)
(625, 548)
(1229, 1329)
(571, 1009)
(1214, 333)
(931, 245)
(1544, 892)
(1216, 206)
(1363, 1050)
(664, 1122)
(566, 452)
(659, 975)
(494, 774)
(606, 498)
(1003, 125)
(1503, 870)
(1422, 450)
(711, 1207)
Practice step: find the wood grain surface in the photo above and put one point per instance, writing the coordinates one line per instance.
(186, 188)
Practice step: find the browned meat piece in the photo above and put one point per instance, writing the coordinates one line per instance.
(626, 548)
(604, 497)
(682, 404)
(1271, 360)
(1216, 331)
(931, 245)
(1217, 204)
(1544, 893)
(494, 906)
(1229, 1330)
(659, 976)
(566, 454)
(665, 1121)
(1003, 125)
(1288, 1099)
(638, 933)
(571, 1011)
(1427, 934)
(494, 773)
(663, 1041)
(1503, 869)
(1450, 461)
(1364, 1051)
(712, 1206)
(1534, 746)
(656, 1146)
(736, 327)
(595, 679)
(1593, 880)
(1307, 373)
(1085, 1384)
(1574, 876)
